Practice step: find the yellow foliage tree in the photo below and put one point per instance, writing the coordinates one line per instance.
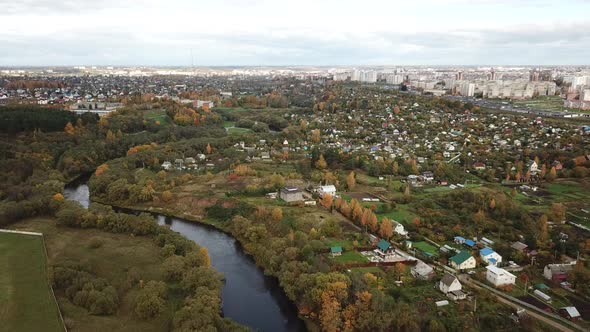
(69, 129)
(321, 163)
(277, 214)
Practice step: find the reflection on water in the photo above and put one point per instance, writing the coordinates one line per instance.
(249, 297)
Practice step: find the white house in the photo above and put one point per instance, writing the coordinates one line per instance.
(499, 277)
(490, 257)
(463, 261)
(330, 189)
(451, 286)
(167, 165)
(399, 228)
(533, 167)
(449, 283)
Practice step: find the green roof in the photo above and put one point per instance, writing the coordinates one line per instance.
(336, 249)
(383, 245)
(541, 286)
(461, 257)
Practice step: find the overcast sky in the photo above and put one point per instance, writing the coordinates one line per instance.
(294, 32)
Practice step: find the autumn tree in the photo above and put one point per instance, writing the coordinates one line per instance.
(543, 229)
(208, 148)
(303, 125)
(386, 228)
(351, 181)
(552, 175)
(492, 203)
(373, 224)
(69, 129)
(327, 201)
(277, 214)
(395, 168)
(558, 212)
(166, 196)
(315, 136)
(321, 163)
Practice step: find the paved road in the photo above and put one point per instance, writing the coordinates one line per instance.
(532, 310)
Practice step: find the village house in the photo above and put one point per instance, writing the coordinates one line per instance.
(520, 247)
(463, 261)
(451, 286)
(557, 273)
(384, 249)
(167, 165)
(490, 257)
(479, 166)
(570, 313)
(399, 228)
(336, 251)
(291, 194)
(499, 277)
(329, 189)
(422, 271)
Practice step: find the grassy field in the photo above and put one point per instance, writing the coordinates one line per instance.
(549, 103)
(26, 303)
(111, 260)
(425, 247)
(350, 257)
(238, 131)
(157, 115)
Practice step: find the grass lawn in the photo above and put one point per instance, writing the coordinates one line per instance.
(425, 247)
(111, 261)
(371, 269)
(550, 103)
(157, 115)
(401, 214)
(227, 124)
(333, 242)
(350, 257)
(26, 303)
(238, 131)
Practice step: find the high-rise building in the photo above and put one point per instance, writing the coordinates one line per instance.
(459, 76)
(467, 89)
(394, 79)
(534, 76)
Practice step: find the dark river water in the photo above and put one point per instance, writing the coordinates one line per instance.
(249, 297)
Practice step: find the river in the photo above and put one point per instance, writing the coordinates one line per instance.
(249, 297)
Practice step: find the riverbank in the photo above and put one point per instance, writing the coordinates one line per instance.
(168, 213)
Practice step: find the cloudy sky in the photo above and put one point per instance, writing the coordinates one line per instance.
(294, 32)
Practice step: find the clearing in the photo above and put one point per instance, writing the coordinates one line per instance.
(26, 303)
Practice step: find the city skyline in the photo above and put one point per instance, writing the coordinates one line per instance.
(287, 33)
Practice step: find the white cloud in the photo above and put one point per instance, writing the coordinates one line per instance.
(233, 32)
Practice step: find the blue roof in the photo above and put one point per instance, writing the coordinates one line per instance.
(336, 249)
(383, 245)
(459, 238)
(486, 251)
(492, 260)
(469, 243)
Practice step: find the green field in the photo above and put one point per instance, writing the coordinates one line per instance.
(26, 303)
(238, 131)
(351, 257)
(116, 254)
(157, 115)
(425, 247)
(549, 103)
